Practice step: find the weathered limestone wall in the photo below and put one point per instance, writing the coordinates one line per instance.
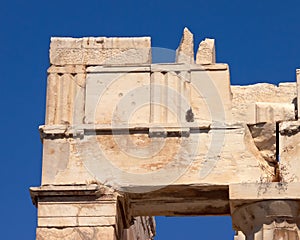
(125, 139)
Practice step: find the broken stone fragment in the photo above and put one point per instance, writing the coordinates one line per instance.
(264, 137)
(185, 51)
(289, 151)
(206, 52)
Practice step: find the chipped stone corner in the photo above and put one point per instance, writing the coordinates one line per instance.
(185, 50)
(206, 53)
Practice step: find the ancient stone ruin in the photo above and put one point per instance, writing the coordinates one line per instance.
(125, 139)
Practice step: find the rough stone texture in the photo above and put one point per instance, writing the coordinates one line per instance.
(206, 53)
(124, 139)
(264, 136)
(185, 51)
(100, 51)
(263, 102)
(290, 150)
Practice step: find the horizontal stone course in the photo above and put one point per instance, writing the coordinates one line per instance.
(100, 51)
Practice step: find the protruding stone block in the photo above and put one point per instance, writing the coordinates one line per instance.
(100, 51)
(274, 112)
(206, 53)
(264, 137)
(185, 51)
(263, 102)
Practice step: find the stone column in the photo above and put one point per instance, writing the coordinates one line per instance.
(267, 220)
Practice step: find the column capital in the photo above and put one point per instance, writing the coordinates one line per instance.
(250, 218)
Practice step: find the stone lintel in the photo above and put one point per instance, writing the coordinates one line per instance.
(199, 199)
(245, 193)
(264, 190)
(179, 200)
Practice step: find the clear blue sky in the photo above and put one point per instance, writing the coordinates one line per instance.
(259, 39)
